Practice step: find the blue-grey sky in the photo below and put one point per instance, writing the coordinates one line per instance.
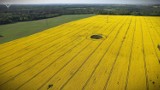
(81, 1)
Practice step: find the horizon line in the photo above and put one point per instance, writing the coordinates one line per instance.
(82, 3)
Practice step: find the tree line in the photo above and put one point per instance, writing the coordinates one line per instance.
(18, 13)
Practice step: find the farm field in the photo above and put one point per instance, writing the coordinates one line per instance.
(17, 30)
(96, 53)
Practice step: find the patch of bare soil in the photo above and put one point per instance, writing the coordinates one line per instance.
(96, 37)
(158, 46)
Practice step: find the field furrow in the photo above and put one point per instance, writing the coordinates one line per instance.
(103, 52)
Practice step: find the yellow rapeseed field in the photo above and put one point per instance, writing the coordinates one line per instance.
(96, 53)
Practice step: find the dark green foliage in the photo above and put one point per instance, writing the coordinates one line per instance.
(18, 13)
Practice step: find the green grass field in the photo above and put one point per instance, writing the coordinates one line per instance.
(17, 30)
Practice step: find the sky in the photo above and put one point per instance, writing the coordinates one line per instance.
(80, 1)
